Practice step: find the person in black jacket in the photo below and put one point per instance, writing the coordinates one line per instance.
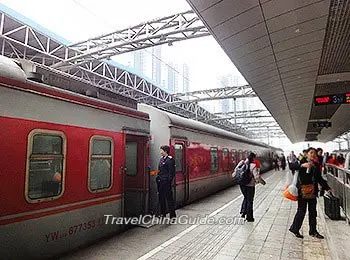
(308, 180)
(166, 174)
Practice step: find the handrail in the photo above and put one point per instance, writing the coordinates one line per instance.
(345, 177)
(339, 180)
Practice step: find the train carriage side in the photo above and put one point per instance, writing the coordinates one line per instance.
(205, 156)
(63, 166)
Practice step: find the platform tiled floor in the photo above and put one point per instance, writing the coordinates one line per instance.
(267, 238)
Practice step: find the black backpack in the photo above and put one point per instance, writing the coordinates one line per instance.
(242, 174)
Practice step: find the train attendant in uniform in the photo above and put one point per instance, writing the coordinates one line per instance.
(309, 178)
(166, 174)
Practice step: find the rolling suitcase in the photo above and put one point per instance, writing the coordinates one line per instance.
(332, 207)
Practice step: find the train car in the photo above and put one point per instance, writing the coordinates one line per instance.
(66, 161)
(205, 156)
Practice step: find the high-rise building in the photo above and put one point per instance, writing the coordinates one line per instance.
(186, 78)
(139, 61)
(228, 81)
(171, 78)
(156, 64)
(176, 79)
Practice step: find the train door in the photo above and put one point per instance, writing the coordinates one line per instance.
(135, 176)
(182, 176)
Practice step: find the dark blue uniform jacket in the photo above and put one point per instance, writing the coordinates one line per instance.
(166, 168)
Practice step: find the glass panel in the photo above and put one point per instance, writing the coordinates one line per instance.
(233, 152)
(100, 174)
(45, 178)
(131, 158)
(178, 157)
(47, 144)
(225, 153)
(214, 159)
(101, 147)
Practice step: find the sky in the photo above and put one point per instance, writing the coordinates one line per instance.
(77, 20)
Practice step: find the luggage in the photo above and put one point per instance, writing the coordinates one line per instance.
(332, 206)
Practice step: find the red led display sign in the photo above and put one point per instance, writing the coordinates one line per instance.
(322, 100)
(332, 99)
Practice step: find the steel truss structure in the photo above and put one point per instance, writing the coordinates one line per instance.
(244, 113)
(173, 28)
(22, 41)
(214, 94)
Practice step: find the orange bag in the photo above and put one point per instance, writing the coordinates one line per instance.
(291, 191)
(289, 195)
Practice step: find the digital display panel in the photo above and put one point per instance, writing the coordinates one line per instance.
(332, 99)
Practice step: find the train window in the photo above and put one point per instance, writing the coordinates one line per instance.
(178, 157)
(131, 158)
(214, 162)
(101, 161)
(224, 153)
(240, 155)
(233, 152)
(45, 165)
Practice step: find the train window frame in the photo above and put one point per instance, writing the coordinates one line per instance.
(100, 137)
(233, 155)
(217, 161)
(240, 155)
(63, 155)
(223, 152)
(225, 155)
(182, 157)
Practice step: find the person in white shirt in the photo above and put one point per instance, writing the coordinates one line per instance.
(248, 190)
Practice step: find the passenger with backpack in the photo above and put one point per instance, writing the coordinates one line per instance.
(246, 174)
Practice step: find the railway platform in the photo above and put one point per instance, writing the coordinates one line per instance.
(266, 238)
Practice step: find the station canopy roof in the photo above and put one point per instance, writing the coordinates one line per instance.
(289, 51)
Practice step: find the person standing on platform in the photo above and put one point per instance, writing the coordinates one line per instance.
(283, 162)
(292, 162)
(248, 190)
(309, 178)
(166, 174)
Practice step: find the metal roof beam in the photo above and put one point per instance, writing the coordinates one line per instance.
(165, 30)
(242, 117)
(242, 112)
(213, 94)
(231, 90)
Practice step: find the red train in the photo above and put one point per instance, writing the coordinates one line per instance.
(67, 160)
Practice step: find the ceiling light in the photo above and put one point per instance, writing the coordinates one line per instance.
(297, 30)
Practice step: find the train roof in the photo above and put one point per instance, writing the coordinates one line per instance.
(12, 76)
(176, 120)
